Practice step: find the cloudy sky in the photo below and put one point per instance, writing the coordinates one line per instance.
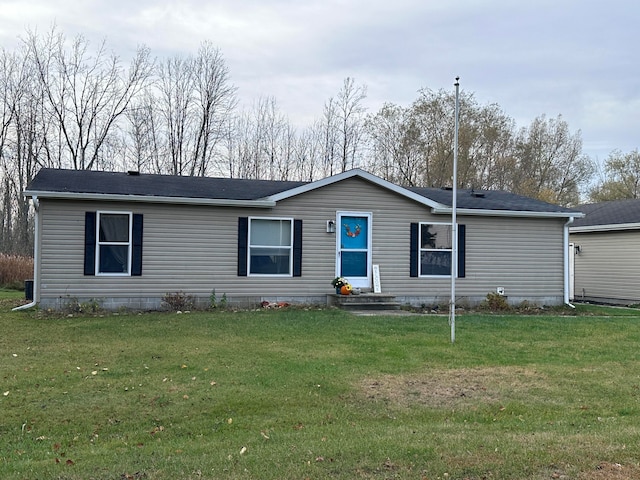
(577, 58)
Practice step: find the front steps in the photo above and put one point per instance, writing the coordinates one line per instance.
(363, 301)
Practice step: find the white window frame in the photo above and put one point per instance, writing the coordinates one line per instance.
(290, 247)
(129, 244)
(421, 249)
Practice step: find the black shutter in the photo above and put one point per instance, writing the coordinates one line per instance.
(297, 248)
(90, 243)
(413, 251)
(136, 253)
(462, 231)
(243, 242)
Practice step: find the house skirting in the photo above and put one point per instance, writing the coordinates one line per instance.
(156, 303)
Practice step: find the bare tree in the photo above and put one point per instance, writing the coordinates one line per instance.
(143, 143)
(215, 99)
(393, 138)
(195, 98)
(350, 121)
(86, 91)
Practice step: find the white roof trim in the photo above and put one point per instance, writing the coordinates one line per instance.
(506, 213)
(221, 202)
(355, 173)
(605, 228)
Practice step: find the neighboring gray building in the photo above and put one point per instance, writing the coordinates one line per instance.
(127, 239)
(606, 260)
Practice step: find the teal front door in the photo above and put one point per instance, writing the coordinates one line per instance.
(353, 260)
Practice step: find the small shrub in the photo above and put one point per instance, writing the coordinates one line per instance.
(214, 303)
(178, 301)
(73, 305)
(495, 303)
(213, 300)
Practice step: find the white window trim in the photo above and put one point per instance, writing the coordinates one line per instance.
(99, 243)
(420, 249)
(250, 246)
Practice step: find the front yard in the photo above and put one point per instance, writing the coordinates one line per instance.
(298, 393)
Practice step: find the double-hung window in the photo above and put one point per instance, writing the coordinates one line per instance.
(435, 249)
(270, 247)
(113, 247)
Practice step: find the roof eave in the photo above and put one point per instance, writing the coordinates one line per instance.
(219, 202)
(506, 213)
(605, 228)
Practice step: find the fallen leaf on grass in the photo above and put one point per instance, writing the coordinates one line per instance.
(264, 435)
(243, 450)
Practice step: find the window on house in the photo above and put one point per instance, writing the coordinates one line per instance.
(270, 246)
(113, 246)
(435, 249)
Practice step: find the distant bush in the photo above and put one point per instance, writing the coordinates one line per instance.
(14, 270)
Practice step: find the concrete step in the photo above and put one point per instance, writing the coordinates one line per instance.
(364, 301)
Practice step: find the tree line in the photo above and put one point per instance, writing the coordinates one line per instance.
(65, 103)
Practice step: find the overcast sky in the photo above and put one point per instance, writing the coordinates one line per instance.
(578, 58)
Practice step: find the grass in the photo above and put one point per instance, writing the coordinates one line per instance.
(319, 394)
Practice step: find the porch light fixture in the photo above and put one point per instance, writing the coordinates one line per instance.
(331, 226)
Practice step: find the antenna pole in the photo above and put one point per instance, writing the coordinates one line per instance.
(454, 226)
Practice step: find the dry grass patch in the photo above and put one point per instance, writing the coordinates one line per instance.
(457, 387)
(611, 471)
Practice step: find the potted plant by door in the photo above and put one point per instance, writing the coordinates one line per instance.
(339, 283)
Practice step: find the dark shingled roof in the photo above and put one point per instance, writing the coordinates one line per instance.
(116, 183)
(207, 188)
(488, 200)
(614, 212)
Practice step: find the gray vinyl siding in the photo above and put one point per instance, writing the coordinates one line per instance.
(606, 269)
(194, 249)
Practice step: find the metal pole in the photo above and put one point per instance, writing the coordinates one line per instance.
(454, 226)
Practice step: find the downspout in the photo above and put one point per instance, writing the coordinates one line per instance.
(565, 248)
(36, 257)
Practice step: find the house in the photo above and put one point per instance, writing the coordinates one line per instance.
(128, 239)
(606, 260)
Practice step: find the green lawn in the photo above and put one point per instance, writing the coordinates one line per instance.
(296, 394)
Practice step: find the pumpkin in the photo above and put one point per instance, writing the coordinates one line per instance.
(345, 289)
